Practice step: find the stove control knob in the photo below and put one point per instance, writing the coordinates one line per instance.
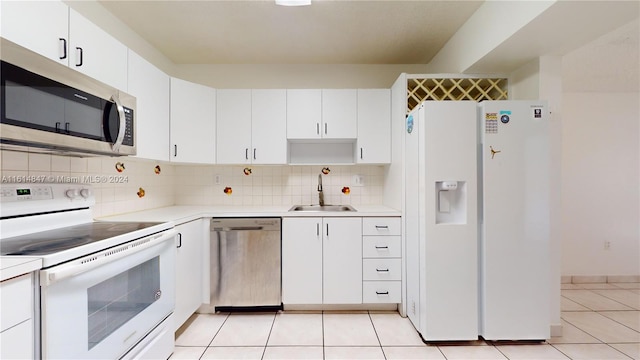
(85, 193)
(72, 193)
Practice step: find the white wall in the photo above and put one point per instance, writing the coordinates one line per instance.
(600, 147)
(601, 183)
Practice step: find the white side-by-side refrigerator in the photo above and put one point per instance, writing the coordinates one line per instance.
(514, 241)
(440, 214)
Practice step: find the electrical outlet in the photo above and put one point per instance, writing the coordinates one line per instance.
(217, 179)
(607, 245)
(357, 180)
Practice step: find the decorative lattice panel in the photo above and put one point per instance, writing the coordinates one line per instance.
(478, 89)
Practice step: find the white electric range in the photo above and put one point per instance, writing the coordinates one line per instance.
(106, 289)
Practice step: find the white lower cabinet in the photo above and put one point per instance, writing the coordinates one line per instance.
(190, 282)
(322, 260)
(381, 260)
(16, 338)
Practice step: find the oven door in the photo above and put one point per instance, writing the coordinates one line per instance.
(100, 306)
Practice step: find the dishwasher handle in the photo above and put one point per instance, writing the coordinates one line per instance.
(239, 228)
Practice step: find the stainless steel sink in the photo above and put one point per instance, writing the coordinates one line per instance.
(318, 208)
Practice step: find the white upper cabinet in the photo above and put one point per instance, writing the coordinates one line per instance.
(40, 26)
(304, 113)
(95, 53)
(269, 126)
(251, 126)
(52, 29)
(150, 86)
(193, 122)
(322, 114)
(233, 122)
(374, 126)
(339, 113)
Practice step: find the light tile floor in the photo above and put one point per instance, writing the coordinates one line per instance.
(600, 321)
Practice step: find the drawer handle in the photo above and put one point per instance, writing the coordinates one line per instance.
(382, 247)
(382, 270)
(382, 227)
(382, 292)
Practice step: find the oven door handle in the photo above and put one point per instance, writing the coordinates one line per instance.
(90, 262)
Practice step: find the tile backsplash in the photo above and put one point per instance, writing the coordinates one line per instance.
(277, 185)
(118, 192)
(115, 192)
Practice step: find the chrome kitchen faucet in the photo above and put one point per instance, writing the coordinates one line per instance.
(320, 193)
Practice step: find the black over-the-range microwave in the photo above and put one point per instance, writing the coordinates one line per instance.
(53, 109)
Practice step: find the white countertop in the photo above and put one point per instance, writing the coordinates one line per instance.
(12, 266)
(182, 214)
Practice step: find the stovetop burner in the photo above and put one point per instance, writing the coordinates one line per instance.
(52, 241)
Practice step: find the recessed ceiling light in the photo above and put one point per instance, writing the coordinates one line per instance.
(293, 2)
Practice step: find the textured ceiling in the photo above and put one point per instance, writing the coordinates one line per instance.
(327, 32)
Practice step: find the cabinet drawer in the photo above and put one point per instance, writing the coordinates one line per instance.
(381, 247)
(17, 342)
(16, 295)
(381, 269)
(381, 292)
(381, 226)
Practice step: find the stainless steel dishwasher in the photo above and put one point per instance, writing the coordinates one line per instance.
(245, 264)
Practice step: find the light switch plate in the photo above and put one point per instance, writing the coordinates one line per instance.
(357, 180)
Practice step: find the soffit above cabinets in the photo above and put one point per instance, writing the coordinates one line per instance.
(327, 32)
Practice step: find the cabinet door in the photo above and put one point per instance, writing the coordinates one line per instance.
(193, 131)
(339, 114)
(304, 113)
(96, 53)
(189, 270)
(269, 126)
(302, 261)
(342, 261)
(40, 26)
(374, 126)
(233, 122)
(150, 86)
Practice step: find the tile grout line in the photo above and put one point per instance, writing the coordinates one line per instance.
(264, 350)
(324, 355)
(612, 299)
(214, 336)
(560, 351)
(376, 332)
(599, 311)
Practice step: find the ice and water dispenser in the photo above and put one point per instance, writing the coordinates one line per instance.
(451, 202)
